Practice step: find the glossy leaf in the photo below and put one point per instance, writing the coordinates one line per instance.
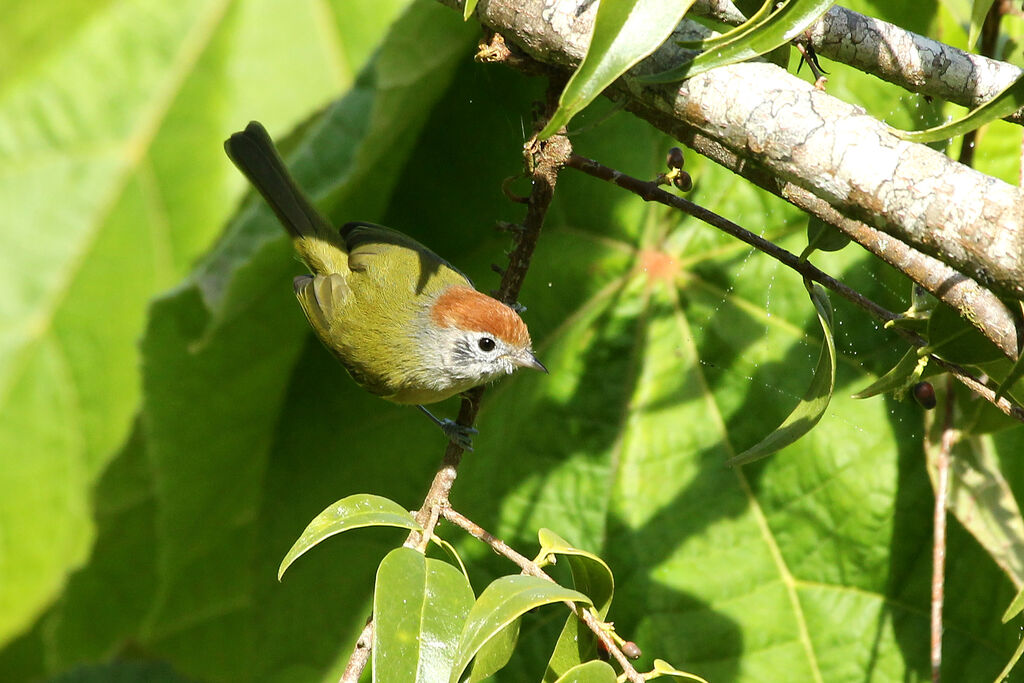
(419, 606)
(1015, 607)
(592, 577)
(715, 41)
(495, 653)
(665, 669)
(353, 512)
(824, 237)
(1005, 103)
(898, 378)
(979, 8)
(775, 30)
(502, 603)
(589, 672)
(811, 408)
(468, 8)
(625, 31)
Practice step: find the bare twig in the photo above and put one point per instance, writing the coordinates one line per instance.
(650, 191)
(942, 463)
(544, 159)
(360, 655)
(598, 627)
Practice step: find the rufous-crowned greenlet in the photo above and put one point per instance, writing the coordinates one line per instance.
(405, 324)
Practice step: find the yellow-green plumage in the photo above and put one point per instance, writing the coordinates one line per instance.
(372, 287)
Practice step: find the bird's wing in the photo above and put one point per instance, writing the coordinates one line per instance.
(387, 254)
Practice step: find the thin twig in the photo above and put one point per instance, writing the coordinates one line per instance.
(361, 654)
(942, 462)
(598, 627)
(544, 159)
(649, 191)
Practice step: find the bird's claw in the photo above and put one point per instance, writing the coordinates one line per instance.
(460, 435)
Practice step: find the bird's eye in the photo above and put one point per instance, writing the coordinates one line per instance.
(486, 344)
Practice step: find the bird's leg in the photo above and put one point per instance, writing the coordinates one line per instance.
(460, 435)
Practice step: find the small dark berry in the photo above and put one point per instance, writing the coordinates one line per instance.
(631, 650)
(683, 181)
(924, 392)
(675, 158)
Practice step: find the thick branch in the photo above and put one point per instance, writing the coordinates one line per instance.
(827, 147)
(894, 54)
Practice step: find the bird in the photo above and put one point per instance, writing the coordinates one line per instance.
(406, 324)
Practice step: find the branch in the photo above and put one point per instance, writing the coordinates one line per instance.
(970, 221)
(911, 61)
(598, 627)
(896, 55)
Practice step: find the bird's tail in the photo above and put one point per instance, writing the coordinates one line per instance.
(316, 240)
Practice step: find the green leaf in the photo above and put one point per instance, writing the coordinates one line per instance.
(589, 672)
(979, 8)
(665, 669)
(981, 499)
(810, 409)
(1015, 607)
(419, 607)
(625, 31)
(495, 653)
(1005, 103)
(114, 185)
(353, 512)
(592, 577)
(120, 671)
(907, 371)
(713, 42)
(468, 8)
(1003, 675)
(761, 37)
(823, 237)
(954, 339)
(501, 603)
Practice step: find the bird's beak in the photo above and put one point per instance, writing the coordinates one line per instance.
(528, 360)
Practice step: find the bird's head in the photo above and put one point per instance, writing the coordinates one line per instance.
(479, 338)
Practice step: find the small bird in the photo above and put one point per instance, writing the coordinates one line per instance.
(404, 322)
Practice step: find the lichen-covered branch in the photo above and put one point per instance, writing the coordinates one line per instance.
(832, 149)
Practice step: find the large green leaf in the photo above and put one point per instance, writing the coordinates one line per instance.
(111, 115)
(625, 31)
(419, 606)
(669, 344)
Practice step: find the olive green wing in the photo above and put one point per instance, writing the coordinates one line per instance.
(389, 256)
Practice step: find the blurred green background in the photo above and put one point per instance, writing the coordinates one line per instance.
(168, 425)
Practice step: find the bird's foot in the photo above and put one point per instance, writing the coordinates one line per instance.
(460, 435)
